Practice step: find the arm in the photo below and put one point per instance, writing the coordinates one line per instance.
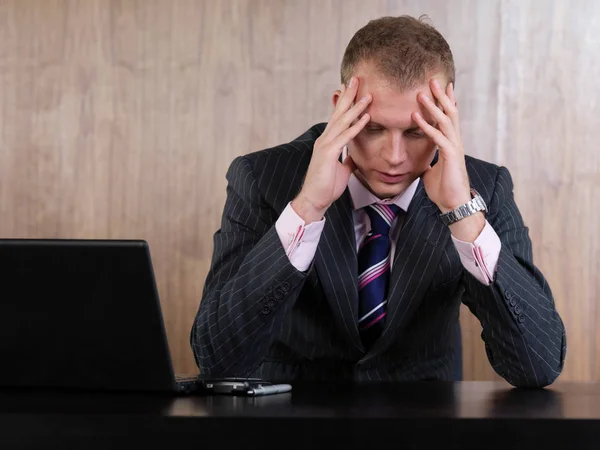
(523, 333)
(524, 336)
(251, 284)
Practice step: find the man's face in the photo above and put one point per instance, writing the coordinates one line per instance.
(391, 151)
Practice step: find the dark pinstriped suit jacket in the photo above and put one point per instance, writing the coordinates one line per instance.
(259, 316)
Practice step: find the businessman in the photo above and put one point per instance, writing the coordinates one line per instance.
(345, 254)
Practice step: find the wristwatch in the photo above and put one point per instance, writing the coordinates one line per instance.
(475, 205)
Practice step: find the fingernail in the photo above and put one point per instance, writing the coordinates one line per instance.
(452, 87)
(364, 99)
(351, 82)
(343, 88)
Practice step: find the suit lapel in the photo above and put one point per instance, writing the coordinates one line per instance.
(419, 247)
(337, 266)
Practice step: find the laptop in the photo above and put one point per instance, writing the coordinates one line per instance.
(83, 314)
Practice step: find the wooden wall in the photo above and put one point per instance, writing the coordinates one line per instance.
(119, 118)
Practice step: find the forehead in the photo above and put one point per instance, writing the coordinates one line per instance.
(392, 106)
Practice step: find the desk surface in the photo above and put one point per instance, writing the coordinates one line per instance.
(413, 415)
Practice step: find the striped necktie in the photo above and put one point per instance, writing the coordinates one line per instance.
(374, 269)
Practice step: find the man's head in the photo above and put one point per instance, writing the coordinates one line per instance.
(394, 58)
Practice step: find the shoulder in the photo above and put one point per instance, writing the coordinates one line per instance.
(278, 167)
(493, 182)
(297, 148)
(487, 177)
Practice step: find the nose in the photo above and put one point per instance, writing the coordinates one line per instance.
(395, 152)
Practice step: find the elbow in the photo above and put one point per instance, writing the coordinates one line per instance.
(531, 369)
(545, 370)
(539, 377)
(539, 381)
(203, 352)
(212, 361)
(209, 367)
(206, 361)
(206, 355)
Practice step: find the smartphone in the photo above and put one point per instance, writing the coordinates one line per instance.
(231, 386)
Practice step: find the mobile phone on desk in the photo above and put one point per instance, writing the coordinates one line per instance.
(252, 387)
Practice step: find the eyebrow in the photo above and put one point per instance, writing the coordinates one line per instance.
(375, 124)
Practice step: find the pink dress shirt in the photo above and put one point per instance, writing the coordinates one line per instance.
(300, 240)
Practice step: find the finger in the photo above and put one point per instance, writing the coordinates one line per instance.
(342, 105)
(346, 99)
(444, 122)
(345, 137)
(340, 92)
(447, 103)
(438, 137)
(455, 114)
(344, 122)
(444, 99)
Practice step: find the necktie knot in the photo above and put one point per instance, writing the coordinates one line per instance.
(382, 216)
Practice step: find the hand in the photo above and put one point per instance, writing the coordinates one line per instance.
(327, 177)
(447, 182)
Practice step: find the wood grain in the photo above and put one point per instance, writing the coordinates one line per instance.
(119, 118)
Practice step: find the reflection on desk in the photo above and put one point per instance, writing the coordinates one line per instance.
(414, 415)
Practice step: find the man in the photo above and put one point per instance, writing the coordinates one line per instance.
(345, 254)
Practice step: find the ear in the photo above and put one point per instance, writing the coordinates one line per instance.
(336, 97)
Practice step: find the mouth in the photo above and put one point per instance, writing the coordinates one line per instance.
(391, 178)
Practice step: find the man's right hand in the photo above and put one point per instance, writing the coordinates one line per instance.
(327, 177)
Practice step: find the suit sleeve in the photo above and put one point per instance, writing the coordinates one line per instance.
(250, 286)
(523, 333)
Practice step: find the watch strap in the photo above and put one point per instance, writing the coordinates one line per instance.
(473, 206)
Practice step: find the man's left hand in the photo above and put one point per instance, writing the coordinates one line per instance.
(447, 182)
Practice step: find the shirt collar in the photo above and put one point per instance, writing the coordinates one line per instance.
(362, 197)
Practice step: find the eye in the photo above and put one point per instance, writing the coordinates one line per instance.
(415, 133)
(374, 130)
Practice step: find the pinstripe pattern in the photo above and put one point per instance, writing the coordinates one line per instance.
(259, 316)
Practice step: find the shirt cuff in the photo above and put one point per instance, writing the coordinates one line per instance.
(298, 239)
(480, 258)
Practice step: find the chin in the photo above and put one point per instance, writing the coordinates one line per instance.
(380, 188)
(384, 190)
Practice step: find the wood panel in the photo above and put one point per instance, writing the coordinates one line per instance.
(549, 101)
(119, 118)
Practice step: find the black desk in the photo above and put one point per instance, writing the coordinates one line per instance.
(464, 415)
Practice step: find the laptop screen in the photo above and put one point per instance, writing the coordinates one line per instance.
(81, 314)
